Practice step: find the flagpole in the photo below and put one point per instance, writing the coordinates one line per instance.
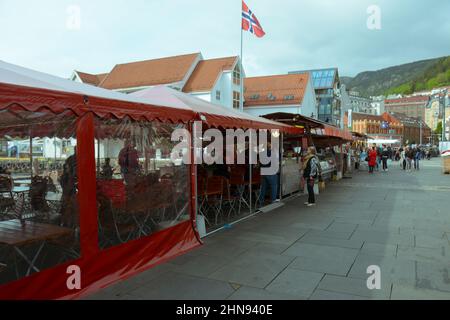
(241, 100)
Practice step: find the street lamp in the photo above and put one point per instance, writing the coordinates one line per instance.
(444, 138)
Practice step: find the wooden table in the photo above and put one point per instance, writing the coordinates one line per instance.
(15, 234)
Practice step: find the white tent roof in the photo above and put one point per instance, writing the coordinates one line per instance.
(16, 75)
(165, 96)
(157, 96)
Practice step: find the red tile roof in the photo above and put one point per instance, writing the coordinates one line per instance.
(207, 72)
(273, 90)
(365, 116)
(94, 79)
(408, 100)
(149, 72)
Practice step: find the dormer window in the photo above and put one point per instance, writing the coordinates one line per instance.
(289, 97)
(237, 75)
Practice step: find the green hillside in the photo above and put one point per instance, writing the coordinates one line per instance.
(438, 75)
(404, 79)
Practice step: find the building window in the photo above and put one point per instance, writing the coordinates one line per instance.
(289, 97)
(237, 75)
(236, 100)
(217, 95)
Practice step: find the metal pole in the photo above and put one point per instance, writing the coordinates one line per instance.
(420, 120)
(281, 165)
(250, 174)
(241, 98)
(444, 138)
(31, 153)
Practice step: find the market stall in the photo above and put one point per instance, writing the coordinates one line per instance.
(117, 205)
(239, 192)
(327, 139)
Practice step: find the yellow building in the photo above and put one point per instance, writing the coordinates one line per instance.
(432, 114)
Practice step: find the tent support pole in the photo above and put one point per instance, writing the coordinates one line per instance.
(31, 154)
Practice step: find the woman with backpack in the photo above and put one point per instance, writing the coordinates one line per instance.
(311, 171)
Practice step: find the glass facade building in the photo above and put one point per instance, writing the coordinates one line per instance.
(326, 82)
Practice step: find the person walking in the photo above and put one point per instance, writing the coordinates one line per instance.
(409, 158)
(402, 159)
(384, 157)
(311, 171)
(379, 151)
(372, 159)
(417, 156)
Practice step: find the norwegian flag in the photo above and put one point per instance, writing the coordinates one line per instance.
(250, 22)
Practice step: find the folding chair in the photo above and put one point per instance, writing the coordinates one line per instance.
(214, 195)
(238, 183)
(256, 184)
(201, 197)
(229, 199)
(7, 201)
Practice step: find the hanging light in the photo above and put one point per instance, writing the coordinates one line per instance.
(276, 133)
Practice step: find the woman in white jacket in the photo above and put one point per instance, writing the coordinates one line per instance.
(403, 159)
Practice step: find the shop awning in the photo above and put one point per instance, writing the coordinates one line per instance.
(212, 114)
(316, 127)
(36, 91)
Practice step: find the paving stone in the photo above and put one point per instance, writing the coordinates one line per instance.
(328, 241)
(270, 248)
(383, 237)
(359, 221)
(219, 249)
(430, 255)
(433, 276)
(174, 286)
(332, 295)
(343, 235)
(201, 265)
(249, 293)
(353, 286)
(377, 249)
(324, 259)
(426, 241)
(393, 270)
(402, 292)
(271, 238)
(342, 227)
(296, 283)
(252, 269)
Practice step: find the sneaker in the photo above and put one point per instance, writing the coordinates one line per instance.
(306, 203)
(310, 204)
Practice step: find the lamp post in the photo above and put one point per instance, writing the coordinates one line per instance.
(444, 138)
(420, 124)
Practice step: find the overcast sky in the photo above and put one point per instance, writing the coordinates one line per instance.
(300, 34)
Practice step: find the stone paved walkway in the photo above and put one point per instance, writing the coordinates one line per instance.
(396, 220)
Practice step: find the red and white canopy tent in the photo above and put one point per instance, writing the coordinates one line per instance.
(37, 95)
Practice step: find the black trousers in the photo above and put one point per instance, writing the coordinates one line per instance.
(385, 159)
(311, 197)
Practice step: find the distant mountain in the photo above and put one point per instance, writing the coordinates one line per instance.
(405, 78)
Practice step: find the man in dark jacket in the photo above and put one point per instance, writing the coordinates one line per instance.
(385, 157)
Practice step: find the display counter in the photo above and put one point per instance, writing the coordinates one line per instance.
(290, 176)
